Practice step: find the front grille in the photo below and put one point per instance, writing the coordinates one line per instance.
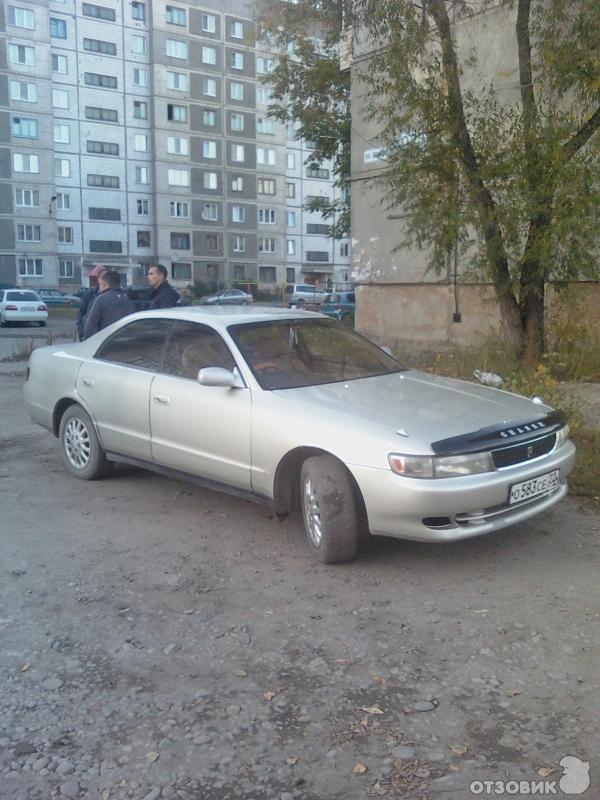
(525, 451)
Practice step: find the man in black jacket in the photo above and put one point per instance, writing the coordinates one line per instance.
(110, 305)
(88, 298)
(163, 294)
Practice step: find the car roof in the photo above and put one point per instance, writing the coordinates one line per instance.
(224, 316)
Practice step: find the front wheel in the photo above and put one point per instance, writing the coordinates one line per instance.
(329, 509)
(81, 449)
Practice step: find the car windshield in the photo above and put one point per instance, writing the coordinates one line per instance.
(22, 297)
(289, 354)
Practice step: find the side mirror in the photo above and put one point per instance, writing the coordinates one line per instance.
(219, 376)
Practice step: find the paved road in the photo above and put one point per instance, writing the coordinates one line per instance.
(161, 640)
(17, 339)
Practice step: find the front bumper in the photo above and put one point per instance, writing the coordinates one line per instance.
(449, 509)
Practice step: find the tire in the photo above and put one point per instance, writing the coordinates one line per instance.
(329, 509)
(81, 450)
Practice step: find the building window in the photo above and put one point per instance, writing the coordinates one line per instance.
(264, 95)
(237, 152)
(317, 172)
(212, 272)
(181, 271)
(264, 65)
(266, 125)
(103, 114)
(140, 77)
(236, 60)
(268, 216)
(236, 29)
(98, 12)
(291, 161)
(65, 268)
(177, 145)
(140, 143)
(143, 238)
(238, 244)
(179, 209)
(291, 247)
(176, 49)
(26, 162)
(239, 272)
(22, 91)
(176, 113)
(322, 230)
(290, 190)
(209, 55)
(266, 186)
(141, 175)
(109, 214)
(236, 91)
(138, 11)
(238, 214)
(291, 219)
(266, 244)
(344, 249)
(178, 177)
(102, 148)
(209, 23)
(21, 54)
(212, 242)
(105, 246)
(267, 274)
(209, 87)
(237, 122)
(105, 81)
(265, 155)
(180, 241)
(27, 198)
(142, 207)
(139, 44)
(60, 64)
(210, 212)
(25, 128)
(58, 28)
(65, 235)
(291, 275)
(237, 184)
(60, 98)
(63, 201)
(140, 109)
(62, 167)
(210, 180)
(29, 233)
(177, 81)
(30, 268)
(175, 16)
(317, 255)
(21, 17)
(209, 149)
(97, 46)
(209, 118)
(104, 181)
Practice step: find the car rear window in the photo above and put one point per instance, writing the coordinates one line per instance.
(23, 297)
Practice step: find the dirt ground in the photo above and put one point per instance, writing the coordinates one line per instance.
(159, 640)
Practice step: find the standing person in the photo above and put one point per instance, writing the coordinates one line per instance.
(88, 298)
(163, 294)
(110, 305)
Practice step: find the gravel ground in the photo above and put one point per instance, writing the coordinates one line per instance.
(163, 641)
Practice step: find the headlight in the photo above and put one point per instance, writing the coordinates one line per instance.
(562, 436)
(441, 467)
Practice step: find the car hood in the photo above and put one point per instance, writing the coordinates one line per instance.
(427, 408)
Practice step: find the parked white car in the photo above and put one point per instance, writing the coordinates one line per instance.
(22, 305)
(299, 294)
(295, 410)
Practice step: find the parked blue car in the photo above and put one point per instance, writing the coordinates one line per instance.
(340, 305)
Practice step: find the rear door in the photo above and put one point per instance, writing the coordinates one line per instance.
(115, 385)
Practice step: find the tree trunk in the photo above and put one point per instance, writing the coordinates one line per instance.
(532, 320)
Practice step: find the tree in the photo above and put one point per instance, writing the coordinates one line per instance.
(507, 177)
(309, 89)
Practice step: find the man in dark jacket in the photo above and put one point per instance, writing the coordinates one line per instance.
(110, 305)
(163, 294)
(88, 298)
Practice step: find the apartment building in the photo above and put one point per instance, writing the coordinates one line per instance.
(138, 131)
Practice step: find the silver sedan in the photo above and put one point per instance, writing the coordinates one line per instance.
(297, 411)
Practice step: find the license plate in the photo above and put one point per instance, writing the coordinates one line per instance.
(534, 487)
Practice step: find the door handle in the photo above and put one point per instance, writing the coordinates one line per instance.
(161, 399)
(89, 382)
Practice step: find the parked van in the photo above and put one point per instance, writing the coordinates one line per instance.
(298, 294)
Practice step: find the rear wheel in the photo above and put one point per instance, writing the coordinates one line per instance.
(329, 509)
(81, 449)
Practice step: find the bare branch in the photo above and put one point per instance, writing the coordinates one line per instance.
(582, 136)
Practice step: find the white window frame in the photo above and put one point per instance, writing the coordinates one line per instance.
(209, 23)
(236, 91)
(31, 268)
(209, 55)
(176, 49)
(178, 145)
(236, 29)
(237, 121)
(266, 156)
(179, 205)
(140, 77)
(34, 231)
(15, 51)
(237, 183)
(63, 201)
(238, 243)
(62, 167)
(209, 84)
(210, 212)
(67, 238)
(140, 142)
(238, 213)
(60, 98)
(139, 44)
(26, 162)
(238, 153)
(178, 177)
(209, 113)
(60, 62)
(22, 195)
(17, 94)
(66, 268)
(178, 81)
(236, 60)
(267, 216)
(141, 175)
(267, 244)
(210, 180)
(19, 17)
(209, 149)
(62, 133)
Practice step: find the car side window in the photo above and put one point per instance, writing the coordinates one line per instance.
(351, 297)
(139, 344)
(192, 347)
